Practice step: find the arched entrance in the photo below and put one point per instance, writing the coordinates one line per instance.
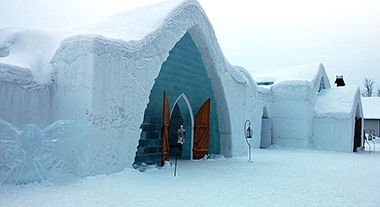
(198, 146)
(357, 143)
(186, 151)
(182, 73)
(266, 130)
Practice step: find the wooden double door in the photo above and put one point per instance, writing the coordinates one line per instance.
(201, 131)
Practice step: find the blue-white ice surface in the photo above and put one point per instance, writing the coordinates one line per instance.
(28, 155)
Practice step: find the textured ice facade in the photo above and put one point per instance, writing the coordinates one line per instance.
(29, 155)
(104, 74)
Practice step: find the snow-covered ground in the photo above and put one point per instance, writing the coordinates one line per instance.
(277, 177)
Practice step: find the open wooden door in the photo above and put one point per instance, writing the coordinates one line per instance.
(201, 131)
(165, 131)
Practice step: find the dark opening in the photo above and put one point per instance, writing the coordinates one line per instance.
(358, 134)
(176, 121)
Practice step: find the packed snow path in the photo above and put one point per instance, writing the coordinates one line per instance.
(277, 177)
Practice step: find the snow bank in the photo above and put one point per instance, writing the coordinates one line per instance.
(277, 177)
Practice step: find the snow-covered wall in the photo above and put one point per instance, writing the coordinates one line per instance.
(333, 133)
(290, 95)
(291, 114)
(371, 114)
(104, 74)
(108, 80)
(335, 115)
(20, 102)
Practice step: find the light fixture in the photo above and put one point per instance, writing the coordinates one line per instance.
(181, 135)
(180, 140)
(248, 134)
(249, 131)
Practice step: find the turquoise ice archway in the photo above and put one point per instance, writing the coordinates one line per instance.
(182, 73)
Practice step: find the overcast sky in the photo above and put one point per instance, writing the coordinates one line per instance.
(342, 34)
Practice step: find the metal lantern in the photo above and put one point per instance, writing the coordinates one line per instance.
(181, 135)
(249, 132)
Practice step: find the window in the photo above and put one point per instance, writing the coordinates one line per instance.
(321, 85)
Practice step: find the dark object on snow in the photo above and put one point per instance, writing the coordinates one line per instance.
(339, 81)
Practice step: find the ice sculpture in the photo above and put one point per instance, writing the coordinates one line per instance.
(29, 155)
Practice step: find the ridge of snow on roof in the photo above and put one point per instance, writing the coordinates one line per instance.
(136, 23)
(28, 49)
(297, 73)
(32, 48)
(337, 102)
(371, 109)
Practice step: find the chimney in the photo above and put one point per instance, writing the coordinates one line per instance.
(339, 81)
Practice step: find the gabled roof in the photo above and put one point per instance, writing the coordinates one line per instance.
(371, 107)
(134, 24)
(290, 75)
(28, 50)
(339, 102)
(33, 48)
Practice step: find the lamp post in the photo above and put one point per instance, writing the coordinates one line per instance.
(248, 134)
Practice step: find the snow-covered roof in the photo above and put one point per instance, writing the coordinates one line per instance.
(135, 24)
(290, 74)
(337, 102)
(28, 50)
(31, 49)
(371, 107)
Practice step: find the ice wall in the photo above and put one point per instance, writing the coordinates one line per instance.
(21, 103)
(109, 81)
(182, 73)
(29, 155)
(290, 95)
(291, 111)
(104, 74)
(334, 133)
(334, 118)
(31, 49)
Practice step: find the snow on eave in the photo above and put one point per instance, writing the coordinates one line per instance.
(133, 29)
(302, 74)
(135, 24)
(14, 74)
(29, 49)
(176, 18)
(371, 108)
(33, 48)
(340, 102)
